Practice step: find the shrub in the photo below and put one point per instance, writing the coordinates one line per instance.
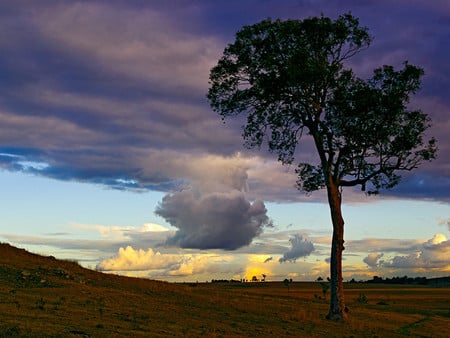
(362, 299)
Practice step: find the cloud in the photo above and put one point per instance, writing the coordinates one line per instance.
(202, 264)
(436, 240)
(100, 91)
(299, 248)
(430, 255)
(141, 44)
(445, 222)
(213, 220)
(205, 172)
(382, 244)
(126, 234)
(164, 265)
(103, 239)
(372, 259)
(129, 259)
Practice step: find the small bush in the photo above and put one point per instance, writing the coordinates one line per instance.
(325, 287)
(362, 299)
(12, 331)
(40, 304)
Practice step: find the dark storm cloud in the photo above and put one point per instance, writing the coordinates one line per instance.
(300, 247)
(85, 96)
(107, 91)
(213, 220)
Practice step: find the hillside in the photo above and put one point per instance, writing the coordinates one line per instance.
(46, 297)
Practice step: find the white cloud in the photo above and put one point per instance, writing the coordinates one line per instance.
(199, 264)
(436, 240)
(129, 259)
(153, 227)
(164, 264)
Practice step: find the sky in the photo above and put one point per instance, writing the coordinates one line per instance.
(110, 154)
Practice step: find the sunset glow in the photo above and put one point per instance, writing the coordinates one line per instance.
(111, 156)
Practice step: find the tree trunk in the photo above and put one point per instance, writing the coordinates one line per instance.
(337, 306)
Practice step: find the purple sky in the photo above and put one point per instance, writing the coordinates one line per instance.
(98, 90)
(114, 93)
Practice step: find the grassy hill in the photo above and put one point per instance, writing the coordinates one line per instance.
(45, 297)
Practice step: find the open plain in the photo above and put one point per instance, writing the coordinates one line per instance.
(45, 297)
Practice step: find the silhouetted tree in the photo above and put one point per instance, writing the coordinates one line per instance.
(325, 287)
(287, 283)
(290, 81)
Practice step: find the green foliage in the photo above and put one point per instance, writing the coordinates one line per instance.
(289, 76)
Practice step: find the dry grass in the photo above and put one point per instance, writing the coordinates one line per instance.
(42, 296)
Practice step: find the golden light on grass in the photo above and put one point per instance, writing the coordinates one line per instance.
(42, 296)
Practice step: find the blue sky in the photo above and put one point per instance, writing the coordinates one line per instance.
(107, 141)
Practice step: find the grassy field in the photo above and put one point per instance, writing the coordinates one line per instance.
(45, 297)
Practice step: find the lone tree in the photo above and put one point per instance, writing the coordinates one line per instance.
(289, 79)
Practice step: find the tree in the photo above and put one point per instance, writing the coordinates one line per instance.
(290, 80)
(325, 287)
(287, 283)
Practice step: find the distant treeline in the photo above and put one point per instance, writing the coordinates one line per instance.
(405, 280)
(227, 281)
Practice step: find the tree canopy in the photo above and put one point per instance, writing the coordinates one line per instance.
(288, 76)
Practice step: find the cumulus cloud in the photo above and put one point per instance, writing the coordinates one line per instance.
(372, 259)
(129, 259)
(300, 247)
(162, 264)
(436, 240)
(213, 220)
(204, 172)
(432, 254)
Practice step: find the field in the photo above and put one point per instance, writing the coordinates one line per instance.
(45, 297)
